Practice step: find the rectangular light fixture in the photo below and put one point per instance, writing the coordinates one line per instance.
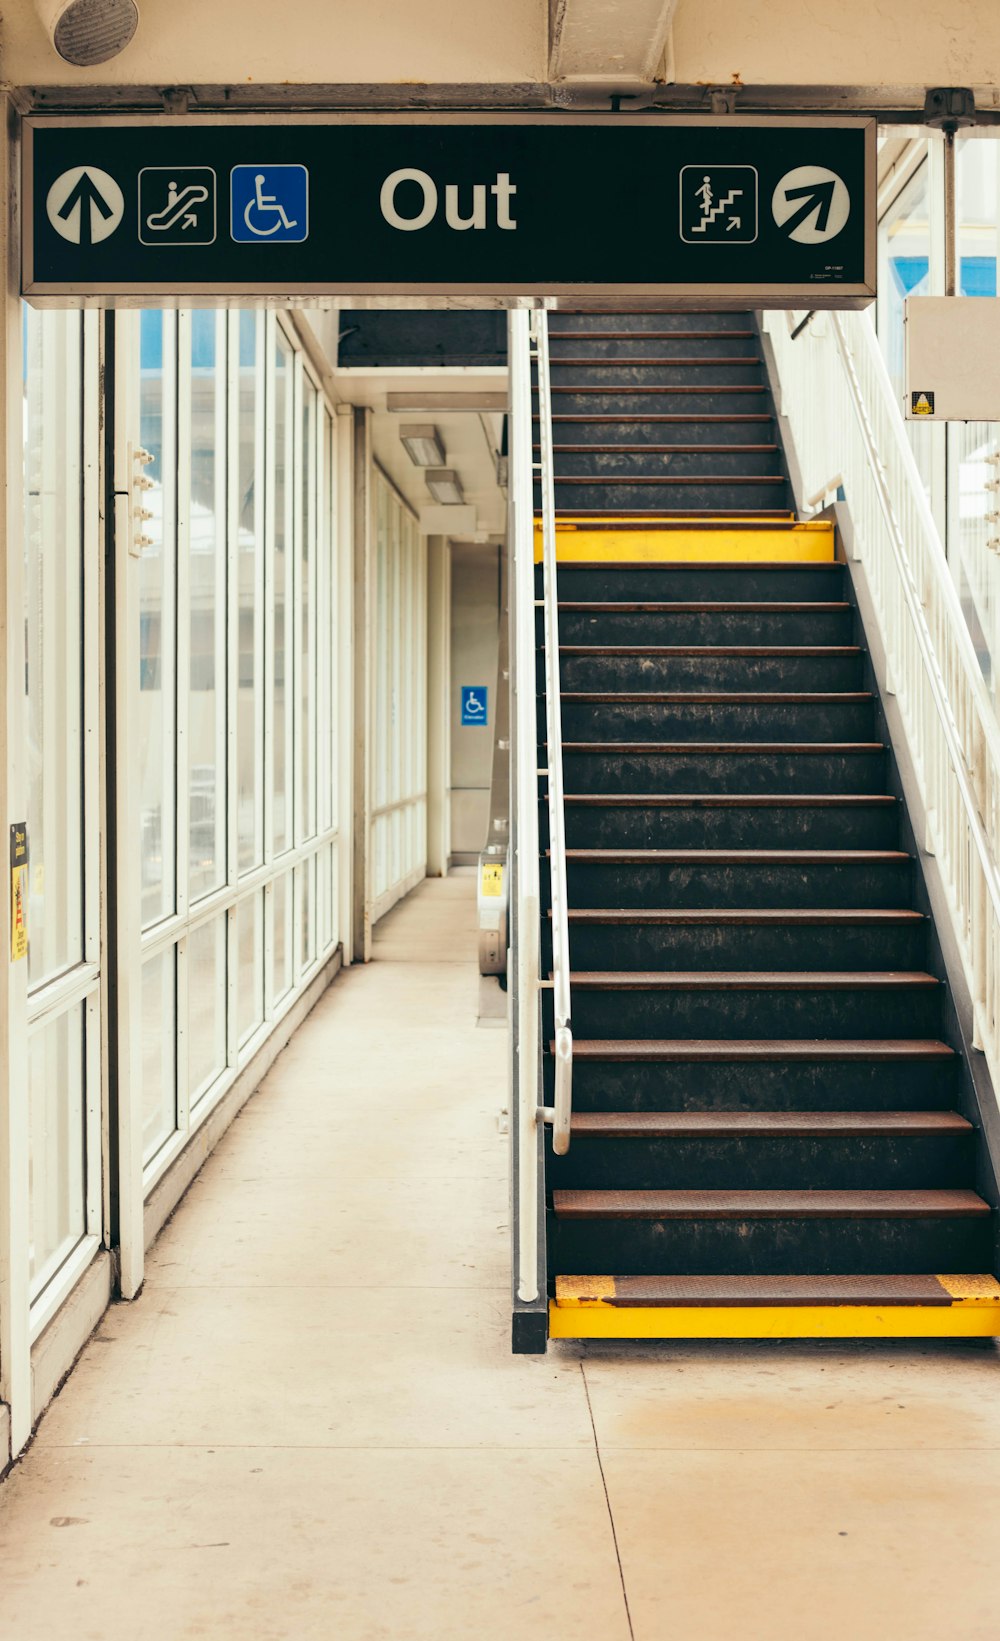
(423, 445)
(443, 484)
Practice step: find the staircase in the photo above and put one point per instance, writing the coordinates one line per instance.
(774, 1130)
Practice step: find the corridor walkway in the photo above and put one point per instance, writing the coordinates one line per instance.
(309, 1427)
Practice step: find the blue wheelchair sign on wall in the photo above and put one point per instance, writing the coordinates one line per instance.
(270, 204)
(474, 698)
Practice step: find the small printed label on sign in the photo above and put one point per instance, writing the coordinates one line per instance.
(19, 891)
(921, 404)
(492, 880)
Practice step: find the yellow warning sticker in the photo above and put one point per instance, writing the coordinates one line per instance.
(19, 891)
(921, 404)
(492, 879)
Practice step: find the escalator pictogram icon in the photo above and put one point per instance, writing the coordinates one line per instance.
(177, 205)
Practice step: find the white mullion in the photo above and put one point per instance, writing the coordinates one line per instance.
(298, 537)
(343, 547)
(267, 650)
(316, 675)
(183, 699)
(183, 618)
(91, 704)
(293, 665)
(232, 378)
(262, 489)
(92, 712)
(93, 1089)
(128, 932)
(267, 672)
(182, 1050)
(169, 614)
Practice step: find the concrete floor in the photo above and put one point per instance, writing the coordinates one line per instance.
(309, 1427)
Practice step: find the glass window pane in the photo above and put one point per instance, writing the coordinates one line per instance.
(250, 564)
(206, 983)
(53, 547)
(207, 591)
(159, 1051)
(157, 616)
(281, 941)
(976, 199)
(307, 949)
(250, 960)
(306, 647)
(281, 573)
(56, 1121)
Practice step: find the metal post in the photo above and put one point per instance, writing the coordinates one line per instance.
(950, 226)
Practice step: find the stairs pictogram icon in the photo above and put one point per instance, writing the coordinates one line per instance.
(717, 210)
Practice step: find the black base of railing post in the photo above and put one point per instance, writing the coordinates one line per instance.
(529, 1329)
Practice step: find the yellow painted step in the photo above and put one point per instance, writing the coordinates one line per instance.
(919, 1307)
(690, 541)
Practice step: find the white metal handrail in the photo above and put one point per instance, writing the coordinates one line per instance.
(848, 432)
(561, 1113)
(527, 901)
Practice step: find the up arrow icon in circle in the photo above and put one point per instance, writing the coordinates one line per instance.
(85, 205)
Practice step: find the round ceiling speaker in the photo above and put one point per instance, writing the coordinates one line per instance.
(92, 31)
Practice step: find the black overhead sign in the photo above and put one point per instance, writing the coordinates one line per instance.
(139, 209)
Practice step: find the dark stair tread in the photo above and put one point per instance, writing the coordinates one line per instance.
(820, 917)
(662, 449)
(712, 418)
(743, 857)
(717, 697)
(609, 390)
(705, 652)
(626, 1291)
(631, 361)
(750, 979)
(751, 1050)
(765, 518)
(668, 478)
(763, 1124)
(701, 607)
(650, 335)
(713, 748)
(686, 1205)
(730, 800)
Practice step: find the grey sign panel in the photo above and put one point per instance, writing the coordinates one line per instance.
(772, 211)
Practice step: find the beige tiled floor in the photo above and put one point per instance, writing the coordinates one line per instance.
(309, 1427)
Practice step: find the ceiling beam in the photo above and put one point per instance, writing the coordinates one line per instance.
(609, 40)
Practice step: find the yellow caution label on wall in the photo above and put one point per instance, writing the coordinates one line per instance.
(19, 891)
(921, 404)
(492, 879)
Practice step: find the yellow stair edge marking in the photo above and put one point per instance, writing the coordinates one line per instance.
(810, 542)
(977, 1290)
(975, 1319)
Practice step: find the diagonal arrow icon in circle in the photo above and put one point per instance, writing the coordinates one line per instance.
(811, 204)
(818, 197)
(85, 205)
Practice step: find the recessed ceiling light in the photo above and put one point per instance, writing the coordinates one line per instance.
(423, 445)
(444, 485)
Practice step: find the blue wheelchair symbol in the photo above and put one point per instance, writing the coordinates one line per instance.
(474, 698)
(269, 204)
